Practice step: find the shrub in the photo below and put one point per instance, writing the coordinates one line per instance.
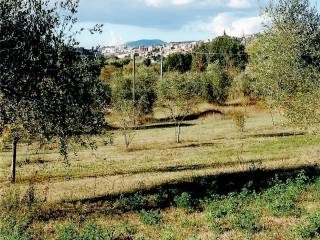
(282, 197)
(10, 199)
(12, 229)
(239, 119)
(232, 212)
(150, 217)
(161, 197)
(184, 201)
(91, 231)
(309, 229)
(218, 212)
(133, 202)
(126, 231)
(246, 220)
(316, 192)
(67, 231)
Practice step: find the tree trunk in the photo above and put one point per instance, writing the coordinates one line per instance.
(126, 141)
(14, 161)
(178, 133)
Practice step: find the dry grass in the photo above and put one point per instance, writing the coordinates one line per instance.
(209, 146)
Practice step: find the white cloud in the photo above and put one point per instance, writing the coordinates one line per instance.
(158, 3)
(231, 24)
(240, 3)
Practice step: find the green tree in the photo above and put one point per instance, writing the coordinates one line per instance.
(227, 51)
(131, 113)
(178, 94)
(147, 62)
(284, 61)
(218, 84)
(145, 95)
(178, 62)
(47, 89)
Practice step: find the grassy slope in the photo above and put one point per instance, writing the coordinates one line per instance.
(210, 147)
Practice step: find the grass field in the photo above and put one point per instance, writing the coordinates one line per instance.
(176, 184)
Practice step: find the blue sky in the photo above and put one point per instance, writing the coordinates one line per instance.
(169, 20)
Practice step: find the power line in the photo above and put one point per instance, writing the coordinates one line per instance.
(213, 54)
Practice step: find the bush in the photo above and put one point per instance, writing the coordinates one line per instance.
(150, 217)
(145, 95)
(91, 231)
(282, 197)
(241, 86)
(218, 84)
(246, 220)
(67, 231)
(232, 212)
(184, 201)
(218, 212)
(309, 229)
(126, 231)
(133, 202)
(13, 229)
(316, 192)
(10, 199)
(162, 197)
(239, 119)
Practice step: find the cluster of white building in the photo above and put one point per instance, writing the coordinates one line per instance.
(151, 52)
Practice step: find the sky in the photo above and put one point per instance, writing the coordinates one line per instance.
(168, 20)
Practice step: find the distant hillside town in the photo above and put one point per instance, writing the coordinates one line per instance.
(150, 51)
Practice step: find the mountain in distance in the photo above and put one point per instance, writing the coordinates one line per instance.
(146, 43)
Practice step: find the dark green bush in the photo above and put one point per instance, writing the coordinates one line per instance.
(161, 197)
(309, 228)
(91, 231)
(184, 201)
(67, 231)
(133, 202)
(282, 197)
(13, 229)
(246, 220)
(233, 212)
(219, 211)
(316, 191)
(150, 217)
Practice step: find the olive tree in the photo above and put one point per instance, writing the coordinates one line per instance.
(178, 94)
(132, 113)
(284, 60)
(47, 89)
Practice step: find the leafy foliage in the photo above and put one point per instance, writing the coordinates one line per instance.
(177, 93)
(284, 60)
(184, 201)
(13, 229)
(151, 217)
(225, 50)
(309, 228)
(47, 88)
(178, 62)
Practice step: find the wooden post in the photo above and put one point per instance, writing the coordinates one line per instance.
(161, 68)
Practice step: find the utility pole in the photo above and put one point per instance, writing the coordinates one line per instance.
(134, 79)
(161, 67)
(133, 88)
